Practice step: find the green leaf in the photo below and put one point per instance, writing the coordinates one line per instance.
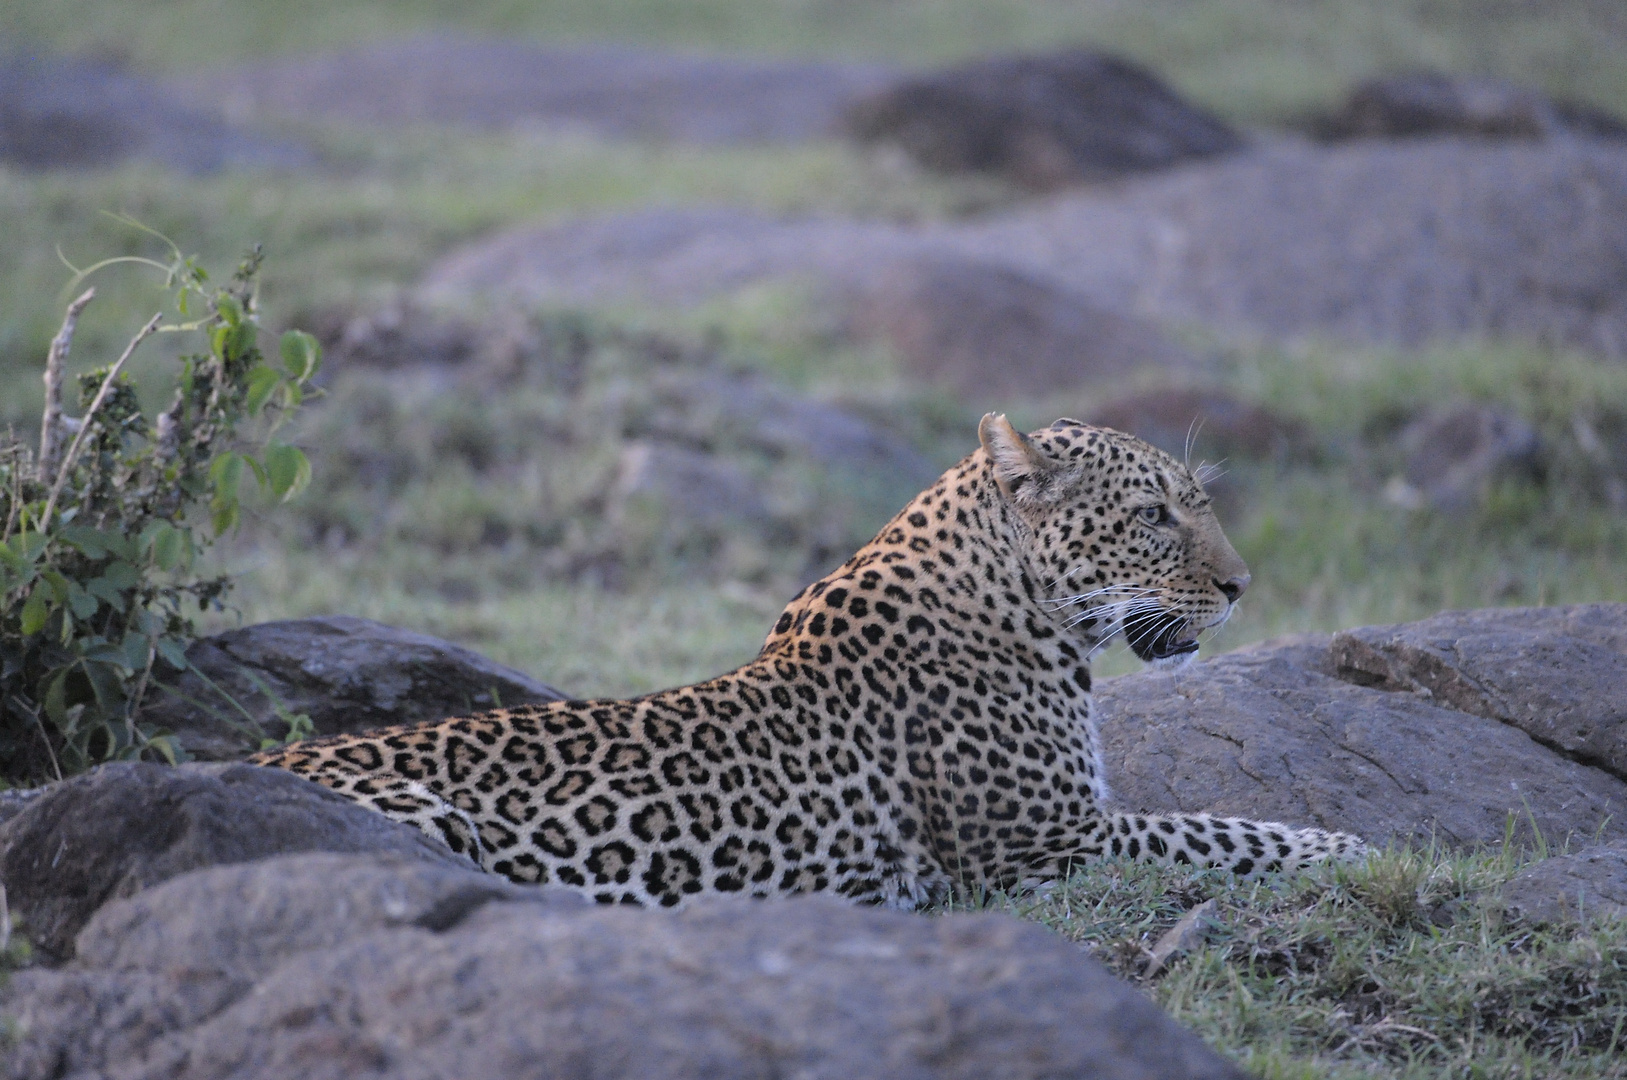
(121, 575)
(173, 752)
(288, 471)
(301, 355)
(169, 546)
(106, 590)
(56, 698)
(89, 541)
(223, 514)
(227, 307)
(80, 602)
(226, 473)
(137, 647)
(58, 584)
(34, 613)
(173, 651)
(28, 545)
(263, 380)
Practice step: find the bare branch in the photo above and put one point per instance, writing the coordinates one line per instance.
(90, 413)
(51, 421)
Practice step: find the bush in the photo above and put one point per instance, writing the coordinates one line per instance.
(101, 528)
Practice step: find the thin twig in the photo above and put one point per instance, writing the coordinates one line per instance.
(51, 421)
(90, 413)
(5, 922)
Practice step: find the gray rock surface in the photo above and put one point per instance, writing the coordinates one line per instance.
(311, 967)
(1042, 120)
(1269, 732)
(1587, 884)
(609, 90)
(346, 674)
(125, 827)
(1558, 674)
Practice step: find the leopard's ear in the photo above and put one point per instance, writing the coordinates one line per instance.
(1020, 468)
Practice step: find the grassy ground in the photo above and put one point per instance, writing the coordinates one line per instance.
(1255, 60)
(1404, 967)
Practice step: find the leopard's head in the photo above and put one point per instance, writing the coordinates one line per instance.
(1117, 535)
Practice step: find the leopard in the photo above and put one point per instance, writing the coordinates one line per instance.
(919, 723)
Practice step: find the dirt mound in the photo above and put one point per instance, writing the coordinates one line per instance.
(1201, 425)
(63, 113)
(1430, 103)
(1369, 242)
(983, 329)
(609, 90)
(1043, 121)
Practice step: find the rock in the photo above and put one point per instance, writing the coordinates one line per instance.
(1400, 243)
(58, 112)
(1558, 674)
(1432, 103)
(985, 330)
(1269, 732)
(1454, 454)
(713, 410)
(1197, 424)
(1588, 884)
(685, 485)
(1042, 120)
(246, 919)
(125, 827)
(311, 967)
(659, 257)
(346, 674)
(496, 84)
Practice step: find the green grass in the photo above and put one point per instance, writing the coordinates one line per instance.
(1255, 60)
(1403, 967)
(371, 225)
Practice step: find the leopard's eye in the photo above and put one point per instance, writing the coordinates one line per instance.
(1154, 515)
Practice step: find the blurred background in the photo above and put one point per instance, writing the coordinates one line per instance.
(640, 314)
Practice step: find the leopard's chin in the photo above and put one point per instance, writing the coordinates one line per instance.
(1162, 638)
(1175, 661)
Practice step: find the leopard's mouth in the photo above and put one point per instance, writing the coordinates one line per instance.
(1160, 635)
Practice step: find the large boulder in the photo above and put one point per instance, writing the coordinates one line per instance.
(1042, 120)
(316, 967)
(122, 828)
(1558, 674)
(346, 674)
(1273, 732)
(1395, 242)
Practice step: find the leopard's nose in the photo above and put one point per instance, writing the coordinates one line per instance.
(1233, 587)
